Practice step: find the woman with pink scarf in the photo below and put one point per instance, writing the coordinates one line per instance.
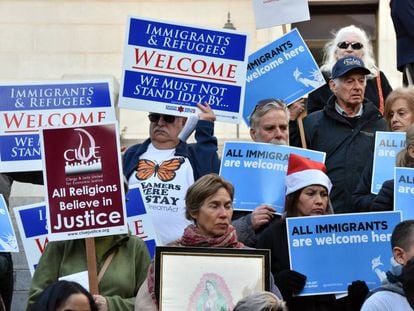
(209, 203)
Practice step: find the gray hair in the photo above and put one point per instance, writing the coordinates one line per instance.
(331, 47)
(261, 301)
(263, 107)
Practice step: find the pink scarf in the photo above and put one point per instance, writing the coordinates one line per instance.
(192, 237)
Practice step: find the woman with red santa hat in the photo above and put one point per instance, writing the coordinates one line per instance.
(307, 194)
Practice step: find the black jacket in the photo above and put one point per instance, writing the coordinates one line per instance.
(274, 238)
(384, 201)
(348, 147)
(362, 197)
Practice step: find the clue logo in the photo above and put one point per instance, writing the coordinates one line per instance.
(84, 158)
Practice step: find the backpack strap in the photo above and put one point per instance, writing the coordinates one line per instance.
(105, 266)
(381, 96)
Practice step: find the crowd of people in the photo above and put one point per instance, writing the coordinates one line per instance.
(343, 117)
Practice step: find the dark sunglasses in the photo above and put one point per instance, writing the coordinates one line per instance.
(155, 117)
(355, 45)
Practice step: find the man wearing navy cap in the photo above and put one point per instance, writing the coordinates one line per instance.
(345, 130)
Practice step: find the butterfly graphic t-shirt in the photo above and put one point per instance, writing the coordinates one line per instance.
(164, 179)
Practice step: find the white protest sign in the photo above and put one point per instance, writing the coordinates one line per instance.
(269, 13)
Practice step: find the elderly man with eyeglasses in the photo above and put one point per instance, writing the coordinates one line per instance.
(165, 167)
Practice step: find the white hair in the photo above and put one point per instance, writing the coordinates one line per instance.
(330, 57)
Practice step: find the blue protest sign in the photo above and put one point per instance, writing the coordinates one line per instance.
(8, 241)
(139, 222)
(33, 218)
(387, 145)
(404, 191)
(169, 68)
(335, 250)
(28, 107)
(32, 224)
(284, 69)
(258, 170)
(15, 148)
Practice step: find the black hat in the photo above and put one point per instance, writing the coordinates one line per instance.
(347, 64)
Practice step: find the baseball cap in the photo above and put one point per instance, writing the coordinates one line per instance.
(347, 64)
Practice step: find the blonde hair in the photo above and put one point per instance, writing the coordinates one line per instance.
(330, 56)
(406, 93)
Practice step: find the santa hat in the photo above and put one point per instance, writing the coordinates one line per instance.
(303, 172)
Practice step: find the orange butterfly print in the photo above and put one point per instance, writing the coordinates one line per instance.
(164, 171)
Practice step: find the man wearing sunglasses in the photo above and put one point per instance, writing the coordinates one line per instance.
(165, 167)
(345, 130)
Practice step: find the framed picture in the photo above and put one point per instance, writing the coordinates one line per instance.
(198, 278)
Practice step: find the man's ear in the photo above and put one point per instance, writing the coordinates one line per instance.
(332, 84)
(183, 120)
(399, 255)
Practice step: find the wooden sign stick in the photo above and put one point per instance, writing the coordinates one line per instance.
(301, 129)
(91, 264)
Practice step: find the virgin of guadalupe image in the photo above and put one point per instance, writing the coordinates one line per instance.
(211, 294)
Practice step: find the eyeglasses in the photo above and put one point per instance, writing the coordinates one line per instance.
(155, 117)
(355, 45)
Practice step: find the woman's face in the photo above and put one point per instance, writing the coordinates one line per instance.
(313, 200)
(400, 116)
(348, 51)
(214, 216)
(210, 287)
(76, 302)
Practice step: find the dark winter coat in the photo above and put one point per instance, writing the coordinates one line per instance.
(348, 146)
(384, 201)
